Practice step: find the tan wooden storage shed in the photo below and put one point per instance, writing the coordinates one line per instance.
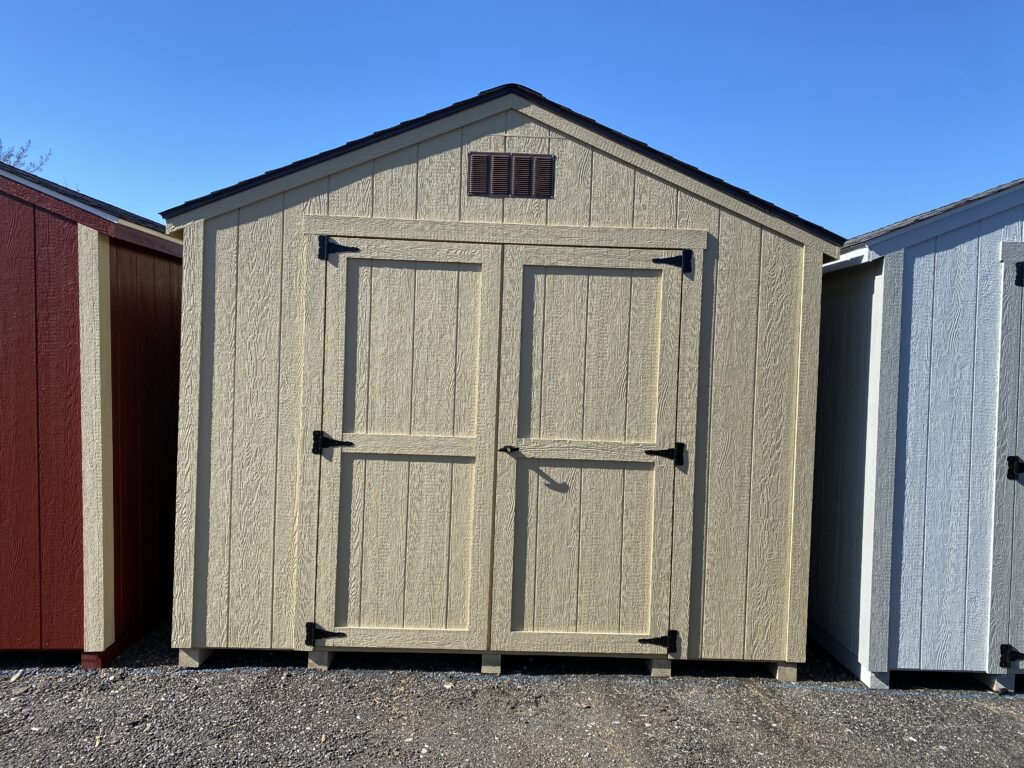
(559, 389)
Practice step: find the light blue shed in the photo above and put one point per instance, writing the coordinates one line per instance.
(918, 539)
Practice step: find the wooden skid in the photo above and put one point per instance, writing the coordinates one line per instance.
(193, 658)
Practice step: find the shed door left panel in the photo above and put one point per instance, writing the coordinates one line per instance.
(405, 511)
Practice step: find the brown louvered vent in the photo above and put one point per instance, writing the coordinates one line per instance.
(499, 174)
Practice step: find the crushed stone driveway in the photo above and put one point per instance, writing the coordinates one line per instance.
(260, 709)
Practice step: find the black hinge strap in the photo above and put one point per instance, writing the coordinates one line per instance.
(677, 453)
(1008, 655)
(322, 440)
(683, 260)
(1014, 466)
(1020, 273)
(328, 246)
(670, 641)
(315, 632)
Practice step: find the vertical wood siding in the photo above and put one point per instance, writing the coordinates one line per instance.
(253, 290)
(145, 307)
(40, 442)
(945, 484)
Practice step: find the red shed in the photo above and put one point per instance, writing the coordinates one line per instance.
(89, 337)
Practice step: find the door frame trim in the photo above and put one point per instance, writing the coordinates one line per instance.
(506, 234)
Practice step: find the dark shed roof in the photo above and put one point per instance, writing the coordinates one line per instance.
(536, 98)
(874, 234)
(78, 197)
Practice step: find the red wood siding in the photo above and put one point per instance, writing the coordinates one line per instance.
(145, 309)
(40, 430)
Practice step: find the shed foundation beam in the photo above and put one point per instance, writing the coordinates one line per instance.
(193, 658)
(320, 659)
(784, 672)
(660, 667)
(490, 663)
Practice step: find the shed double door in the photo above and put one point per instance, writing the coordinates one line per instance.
(421, 544)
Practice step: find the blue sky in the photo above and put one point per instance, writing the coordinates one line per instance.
(851, 114)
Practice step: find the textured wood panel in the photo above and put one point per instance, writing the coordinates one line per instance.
(731, 424)
(949, 441)
(912, 442)
(291, 441)
(770, 527)
(19, 468)
(58, 406)
(351, 192)
(394, 185)
(984, 437)
(187, 545)
(254, 445)
(611, 193)
(439, 178)
(574, 164)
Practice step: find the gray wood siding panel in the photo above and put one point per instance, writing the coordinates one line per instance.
(912, 447)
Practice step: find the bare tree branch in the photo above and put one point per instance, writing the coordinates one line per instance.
(18, 157)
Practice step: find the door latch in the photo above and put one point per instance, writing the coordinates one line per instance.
(322, 440)
(315, 632)
(677, 453)
(670, 641)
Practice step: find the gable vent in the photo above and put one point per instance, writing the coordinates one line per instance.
(500, 174)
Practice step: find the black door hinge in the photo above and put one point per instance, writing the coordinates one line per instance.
(509, 449)
(1008, 655)
(1020, 273)
(683, 260)
(676, 453)
(329, 246)
(322, 440)
(1014, 466)
(670, 641)
(315, 632)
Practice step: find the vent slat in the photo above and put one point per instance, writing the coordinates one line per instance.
(479, 173)
(500, 174)
(543, 176)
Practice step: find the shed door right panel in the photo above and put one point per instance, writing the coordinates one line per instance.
(583, 513)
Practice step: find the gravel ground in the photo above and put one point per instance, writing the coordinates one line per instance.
(267, 710)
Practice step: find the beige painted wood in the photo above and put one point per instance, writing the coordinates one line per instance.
(404, 530)
(506, 234)
(193, 658)
(214, 500)
(97, 440)
(254, 446)
(571, 560)
(806, 396)
(191, 372)
(771, 480)
(291, 441)
(730, 447)
(523, 136)
(785, 673)
(680, 210)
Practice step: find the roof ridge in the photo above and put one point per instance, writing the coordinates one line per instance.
(534, 96)
(82, 199)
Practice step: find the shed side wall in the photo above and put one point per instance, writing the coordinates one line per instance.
(844, 461)
(40, 444)
(755, 306)
(145, 312)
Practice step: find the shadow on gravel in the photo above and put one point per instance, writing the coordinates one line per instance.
(12, 661)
